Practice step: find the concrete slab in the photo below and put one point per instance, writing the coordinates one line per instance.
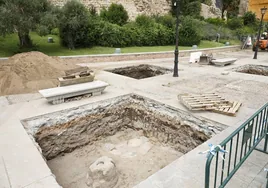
(58, 94)
(4, 177)
(21, 157)
(3, 101)
(47, 182)
(224, 61)
(13, 99)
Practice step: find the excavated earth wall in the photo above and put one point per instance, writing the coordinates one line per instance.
(67, 130)
(253, 69)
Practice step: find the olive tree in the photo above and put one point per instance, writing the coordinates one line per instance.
(22, 16)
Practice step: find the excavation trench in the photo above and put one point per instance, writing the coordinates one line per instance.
(253, 69)
(141, 71)
(138, 134)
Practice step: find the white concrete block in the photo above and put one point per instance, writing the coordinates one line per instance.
(224, 61)
(57, 95)
(195, 57)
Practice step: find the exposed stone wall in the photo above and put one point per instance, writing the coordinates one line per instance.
(243, 7)
(66, 130)
(134, 7)
(213, 11)
(210, 11)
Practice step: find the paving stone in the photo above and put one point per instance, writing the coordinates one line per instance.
(236, 183)
(4, 181)
(22, 159)
(3, 101)
(47, 182)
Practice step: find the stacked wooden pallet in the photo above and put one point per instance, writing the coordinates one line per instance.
(211, 102)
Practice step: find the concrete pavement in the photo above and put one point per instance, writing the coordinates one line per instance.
(22, 165)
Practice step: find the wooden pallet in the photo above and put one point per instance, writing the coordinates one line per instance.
(230, 111)
(207, 101)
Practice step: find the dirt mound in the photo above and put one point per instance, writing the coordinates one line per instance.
(30, 72)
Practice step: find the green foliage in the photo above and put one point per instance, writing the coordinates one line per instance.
(187, 7)
(115, 14)
(55, 31)
(216, 21)
(231, 6)
(207, 2)
(245, 31)
(93, 11)
(112, 35)
(103, 33)
(189, 32)
(156, 35)
(49, 21)
(166, 20)
(21, 16)
(235, 23)
(74, 24)
(209, 31)
(249, 18)
(144, 21)
(193, 9)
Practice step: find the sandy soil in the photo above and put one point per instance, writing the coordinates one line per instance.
(136, 158)
(30, 72)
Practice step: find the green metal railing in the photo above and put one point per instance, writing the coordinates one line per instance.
(239, 145)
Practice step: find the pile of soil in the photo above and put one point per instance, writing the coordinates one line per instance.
(30, 72)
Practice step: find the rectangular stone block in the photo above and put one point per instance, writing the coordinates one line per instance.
(58, 94)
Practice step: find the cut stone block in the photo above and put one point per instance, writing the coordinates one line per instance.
(59, 94)
(224, 61)
(195, 57)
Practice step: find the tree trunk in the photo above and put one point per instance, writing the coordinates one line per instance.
(222, 13)
(25, 40)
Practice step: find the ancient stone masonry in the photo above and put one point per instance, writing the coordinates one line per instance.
(243, 6)
(151, 7)
(213, 11)
(134, 7)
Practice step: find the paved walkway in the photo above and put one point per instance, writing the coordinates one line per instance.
(22, 165)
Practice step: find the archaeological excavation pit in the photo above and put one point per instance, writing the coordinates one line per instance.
(253, 69)
(141, 71)
(116, 143)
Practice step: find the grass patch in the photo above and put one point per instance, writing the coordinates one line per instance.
(9, 46)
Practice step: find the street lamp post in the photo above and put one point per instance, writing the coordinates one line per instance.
(263, 10)
(176, 61)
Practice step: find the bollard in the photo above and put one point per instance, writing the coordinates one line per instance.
(117, 51)
(50, 40)
(194, 47)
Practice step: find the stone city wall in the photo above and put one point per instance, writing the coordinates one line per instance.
(149, 7)
(134, 7)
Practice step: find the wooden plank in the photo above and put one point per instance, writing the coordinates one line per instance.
(236, 107)
(203, 101)
(228, 110)
(196, 95)
(203, 98)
